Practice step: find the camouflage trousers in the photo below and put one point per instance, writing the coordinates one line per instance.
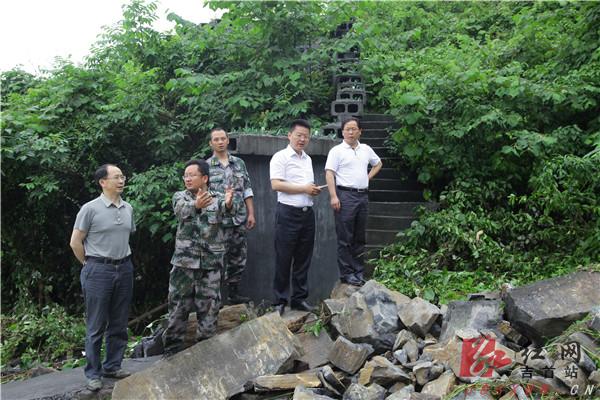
(192, 290)
(236, 251)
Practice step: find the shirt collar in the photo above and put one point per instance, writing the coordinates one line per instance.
(291, 152)
(214, 160)
(109, 203)
(347, 146)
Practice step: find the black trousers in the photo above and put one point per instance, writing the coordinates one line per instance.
(294, 242)
(351, 227)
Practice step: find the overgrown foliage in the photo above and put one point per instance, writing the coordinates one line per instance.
(500, 109)
(35, 336)
(144, 100)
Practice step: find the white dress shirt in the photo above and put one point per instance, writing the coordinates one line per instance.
(288, 166)
(351, 165)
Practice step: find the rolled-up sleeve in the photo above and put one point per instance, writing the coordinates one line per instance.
(277, 167)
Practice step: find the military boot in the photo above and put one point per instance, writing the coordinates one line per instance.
(233, 295)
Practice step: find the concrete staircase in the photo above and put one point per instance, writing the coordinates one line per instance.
(393, 198)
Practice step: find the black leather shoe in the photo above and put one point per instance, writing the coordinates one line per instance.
(280, 308)
(303, 306)
(234, 296)
(352, 281)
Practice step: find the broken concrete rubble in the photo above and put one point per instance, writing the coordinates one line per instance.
(263, 359)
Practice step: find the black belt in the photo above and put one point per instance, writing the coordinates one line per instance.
(349, 189)
(105, 260)
(303, 209)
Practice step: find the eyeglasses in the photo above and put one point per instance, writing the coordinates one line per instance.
(118, 177)
(184, 177)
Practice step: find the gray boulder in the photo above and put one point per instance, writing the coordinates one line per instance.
(360, 392)
(262, 346)
(594, 322)
(546, 308)
(442, 386)
(315, 348)
(402, 394)
(478, 315)
(303, 393)
(371, 316)
(419, 315)
(402, 337)
(381, 371)
(348, 356)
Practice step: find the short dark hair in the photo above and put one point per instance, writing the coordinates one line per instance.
(344, 122)
(299, 122)
(217, 128)
(102, 172)
(202, 165)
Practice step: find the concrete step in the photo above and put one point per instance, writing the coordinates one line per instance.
(394, 184)
(390, 160)
(387, 172)
(387, 222)
(373, 250)
(382, 151)
(406, 209)
(381, 236)
(370, 117)
(395, 195)
(373, 142)
(379, 125)
(375, 133)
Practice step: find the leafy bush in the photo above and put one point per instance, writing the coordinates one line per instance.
(145, 101)
(483, 235)
(499, 113)
(33, 336)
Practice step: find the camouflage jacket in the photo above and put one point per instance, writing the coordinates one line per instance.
(199, 231)
(236, 176)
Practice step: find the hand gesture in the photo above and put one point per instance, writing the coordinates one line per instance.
(203, 199)
(312, 189)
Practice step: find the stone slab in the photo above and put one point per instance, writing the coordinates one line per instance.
(219, 367)
(315, 348)
(479, 315)
(268, 383)
(546, 308)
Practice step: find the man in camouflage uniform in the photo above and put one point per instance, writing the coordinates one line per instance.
(227, 171)
(195, 280)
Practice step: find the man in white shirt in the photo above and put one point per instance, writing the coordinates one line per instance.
(292, 177)
(347, 175)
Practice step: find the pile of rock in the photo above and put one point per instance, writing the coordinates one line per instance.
(376, 343)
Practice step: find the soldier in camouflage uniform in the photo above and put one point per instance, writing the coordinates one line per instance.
(227, 171)
(195, 279)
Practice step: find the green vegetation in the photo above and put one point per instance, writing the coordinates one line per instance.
(500, 110)
(42, 337)
(498, 103)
